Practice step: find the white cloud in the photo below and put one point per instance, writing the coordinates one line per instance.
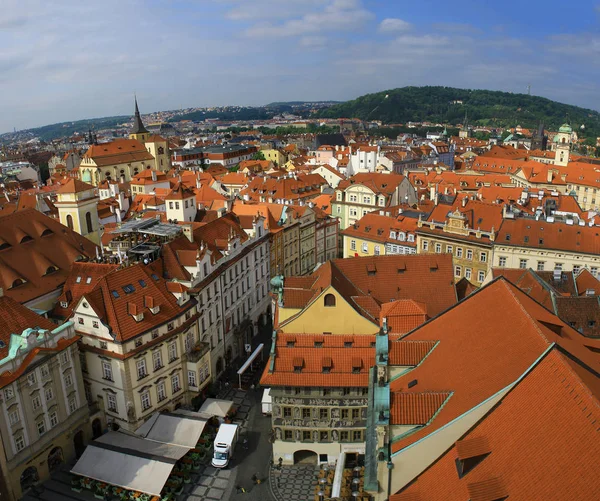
(393, 25)
(335, 16)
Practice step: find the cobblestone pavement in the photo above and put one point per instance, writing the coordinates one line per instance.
(294, 483)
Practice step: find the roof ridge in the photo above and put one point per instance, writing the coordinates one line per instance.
(524, 310)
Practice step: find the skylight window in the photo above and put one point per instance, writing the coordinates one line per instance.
(128, 288)
(88, 280)
(115, 294)
(78, 280)
(154, 276)
(142, 283)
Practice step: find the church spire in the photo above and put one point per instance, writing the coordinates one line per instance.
(138, 125)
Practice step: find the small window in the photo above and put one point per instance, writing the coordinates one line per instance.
(329, 300)
(142, 283)
(115, 294)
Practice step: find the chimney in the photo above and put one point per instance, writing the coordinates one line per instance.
(154, 175)
(464, 201)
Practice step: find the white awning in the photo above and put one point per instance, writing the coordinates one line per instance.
(251, 358)
(182, 430)
(129, 462)
(214, 407)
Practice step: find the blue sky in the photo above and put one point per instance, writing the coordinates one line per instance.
(70, 59)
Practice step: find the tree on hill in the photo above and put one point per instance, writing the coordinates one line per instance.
(259, 155)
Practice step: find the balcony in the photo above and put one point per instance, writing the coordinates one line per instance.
(197, 352)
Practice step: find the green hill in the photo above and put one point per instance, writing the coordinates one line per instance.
(448, 105)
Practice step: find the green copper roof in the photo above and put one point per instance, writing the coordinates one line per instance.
(566, 128)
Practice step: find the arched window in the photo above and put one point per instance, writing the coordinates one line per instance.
(17, 282)
(70, 221)
(51, 269)
(329, 300)
(88, 221)
(564, 140)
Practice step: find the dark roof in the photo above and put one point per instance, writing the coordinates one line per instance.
(330, 140)
(138, 125)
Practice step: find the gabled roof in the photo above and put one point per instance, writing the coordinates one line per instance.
(75, 186)
(118, 151)
(367, 283)
(122, 291)
(480, 354)
(541, 442)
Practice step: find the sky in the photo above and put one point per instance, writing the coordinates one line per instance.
(64, 60)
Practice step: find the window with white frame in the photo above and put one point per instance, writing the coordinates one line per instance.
(72, 405)
(457, 271)
(141, 368)
(459, 252)
(14, 417)
(377, 250)
(19, 443)
(541, 265)
(411, 238)
(157, 359)
(161, 392)
(145, 400)
(469, 254)
(31, 379)
(53, 419)
(48, 393)
(366, 200)
(449, 249)
(425, 245)
(111, 402)
(365, 247)
(175, 383)
(438, 248)
(41, 427)
(44, 371)
(502, 262)
(107, 371)
(483, 257)
(468, 273)
(68, 378)
(192, 379)
(522, 263)
(64, 357)
(481, 276)
(353, 245)
(576, 268)
(352, 198)
(393, 235)
(36, 402)
(172, 351)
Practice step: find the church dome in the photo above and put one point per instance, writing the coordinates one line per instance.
(566, 128)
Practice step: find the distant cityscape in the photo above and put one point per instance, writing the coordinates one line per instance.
(224, 303)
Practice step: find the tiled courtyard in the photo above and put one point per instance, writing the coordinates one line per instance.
(294, 483)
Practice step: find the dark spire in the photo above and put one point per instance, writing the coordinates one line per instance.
(138, 125)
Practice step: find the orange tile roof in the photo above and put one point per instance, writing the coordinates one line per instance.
(378, 183)
(31, 245)
(540, 234)
(15, 318)
(546, 425)
(478, 355)
(586, 281)
(118, 151)
(407, 352)
(415, 408)
(403, 315)
(114, 311)
(75, 186)
(377, 228)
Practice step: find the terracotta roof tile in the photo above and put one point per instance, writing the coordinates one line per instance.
(415, 408)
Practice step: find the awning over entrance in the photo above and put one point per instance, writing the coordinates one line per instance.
(248, 362)
(174, 429)
(129, 462)
(214, 407)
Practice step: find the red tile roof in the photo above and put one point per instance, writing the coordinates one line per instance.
(15, 318)
(119, 151)
(75, 186)
(478, 355)
(115, 311)
(31, 246)
(542, 440)
(415, 408)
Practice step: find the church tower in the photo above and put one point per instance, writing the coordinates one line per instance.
(562, 142)
(138, 130)
(77, 206)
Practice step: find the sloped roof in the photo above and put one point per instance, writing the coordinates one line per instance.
(542, 438)
(75, 186)
(478, 355)
(30, 241)
(119, 151)
(115, 311)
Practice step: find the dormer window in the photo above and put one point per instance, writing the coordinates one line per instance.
(470, 452)
(26, 238)
(18, 282)
(78, 280)
(357, 365)
(51, 269)
(326, 364)
(298, 363)
(47, 232)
